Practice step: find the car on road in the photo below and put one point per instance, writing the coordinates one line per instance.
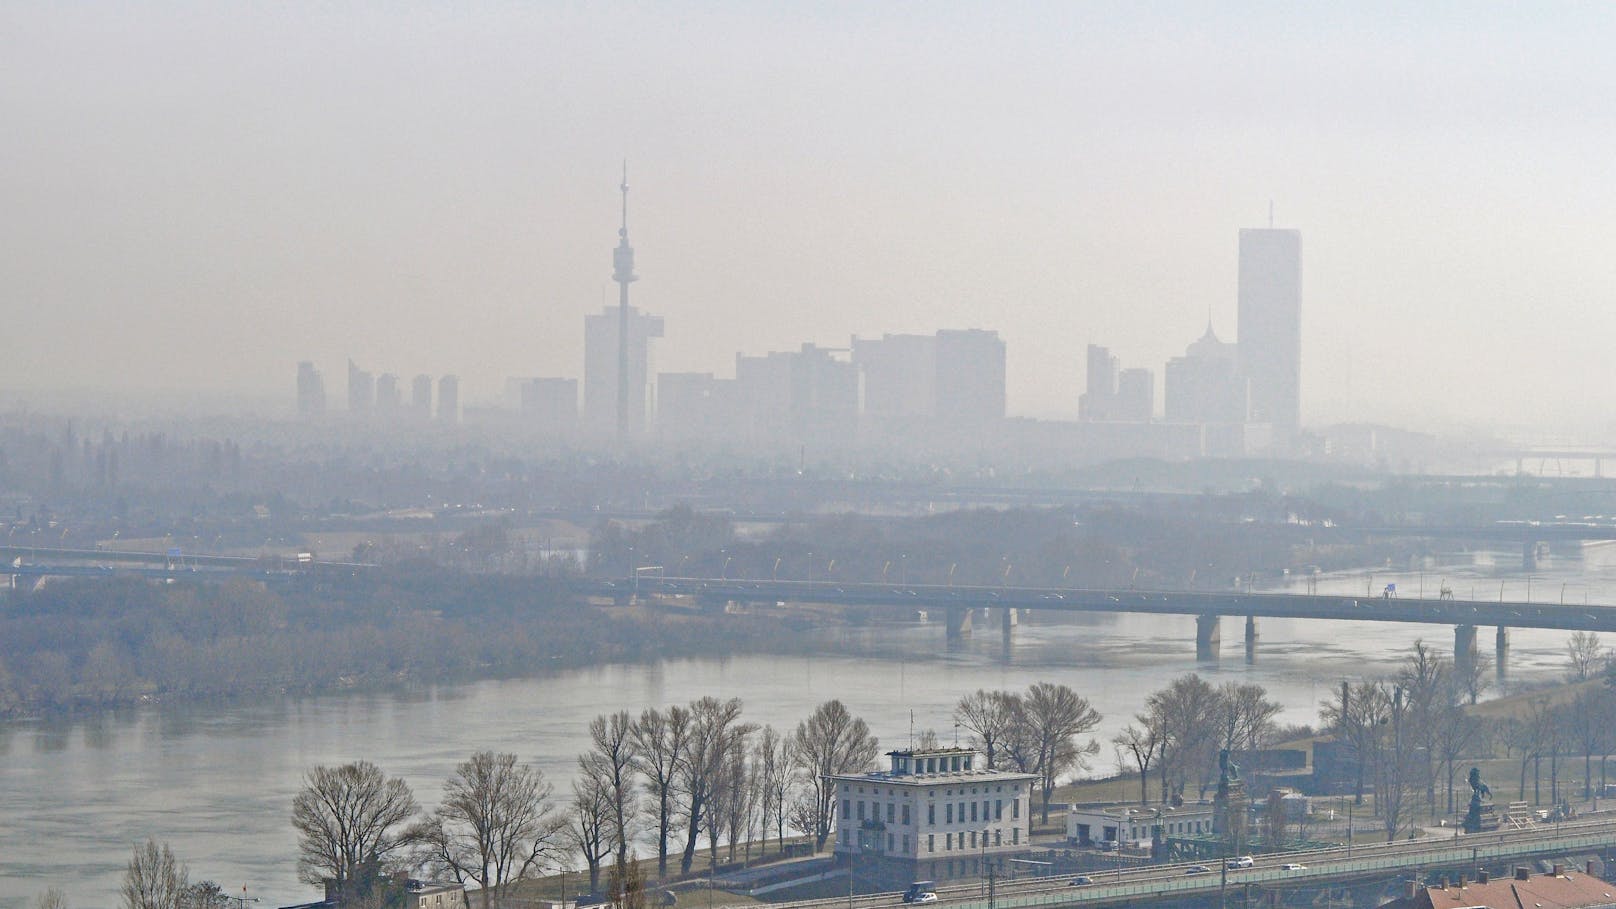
(1240, 861)
(921, 892)
(1080, 881)
(1106, 845)
(1197, 869)
(1293, 866)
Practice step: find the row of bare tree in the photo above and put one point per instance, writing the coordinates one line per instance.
(680, 772)
(1411, 732)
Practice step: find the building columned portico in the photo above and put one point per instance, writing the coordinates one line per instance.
(934, 814)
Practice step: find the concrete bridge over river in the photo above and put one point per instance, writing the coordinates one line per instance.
(960, 605)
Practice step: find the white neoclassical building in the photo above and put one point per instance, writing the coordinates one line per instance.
(935, 814)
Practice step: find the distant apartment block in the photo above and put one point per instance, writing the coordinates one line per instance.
(421, 397)
(361, 390)
(970, 378)
(1114, 394)
(389, 397)
(449, 399)
(550, 403)
(601, 366)
(1205, 385)
(310, 390)
(953, 379)
(899, 374)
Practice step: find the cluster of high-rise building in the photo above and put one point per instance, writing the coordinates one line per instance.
(381, 397)
(1220, 397)
(1239, 389)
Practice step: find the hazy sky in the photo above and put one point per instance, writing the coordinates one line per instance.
(203, 194)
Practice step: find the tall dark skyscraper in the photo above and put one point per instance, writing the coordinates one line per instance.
(1270, 329)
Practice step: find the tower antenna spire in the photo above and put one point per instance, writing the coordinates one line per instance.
(623, 274)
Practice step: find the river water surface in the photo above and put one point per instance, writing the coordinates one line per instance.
(217, 782)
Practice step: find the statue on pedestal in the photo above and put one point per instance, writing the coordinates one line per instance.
(1474, 821)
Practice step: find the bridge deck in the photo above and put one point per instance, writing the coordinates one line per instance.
(1161, 602)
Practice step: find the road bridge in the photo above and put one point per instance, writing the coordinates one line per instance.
(959, 603)
(1411, 859)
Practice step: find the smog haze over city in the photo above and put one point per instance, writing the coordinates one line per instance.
(199, 196)
(560, 456)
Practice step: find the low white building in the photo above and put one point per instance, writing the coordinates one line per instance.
(1136, 826)
(935, 814)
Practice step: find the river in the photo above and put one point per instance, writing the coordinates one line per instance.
(217, 782)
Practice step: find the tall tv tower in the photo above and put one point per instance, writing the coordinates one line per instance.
(623, 274)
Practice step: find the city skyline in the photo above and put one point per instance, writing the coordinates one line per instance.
(1067, 176)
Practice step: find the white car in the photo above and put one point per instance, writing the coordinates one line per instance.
(927, 897)
(1293, 866)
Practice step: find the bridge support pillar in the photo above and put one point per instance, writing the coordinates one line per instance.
(959, 622)
(1251, 639)
(1208, 636)
(1529, 556)
(1501, 650)
(1464, 650)
(1008, 620)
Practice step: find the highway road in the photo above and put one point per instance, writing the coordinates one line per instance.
(1336, 864)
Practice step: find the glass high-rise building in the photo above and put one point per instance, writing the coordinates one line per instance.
(1270, 328)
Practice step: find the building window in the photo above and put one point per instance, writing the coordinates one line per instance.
(1015, 836)
(906, 815)
(906, 844)
(973, 839)
(861, 809)
(889, 842)
(998, 809)
(890, 809)
(847, 809)
(949, 813)
(1015, 808)
(931, 815)
(931, 842)
(998, 837)
(973, 811)
(948, 842)
(985, 805)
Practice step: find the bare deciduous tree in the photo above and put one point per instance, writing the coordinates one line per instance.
(154, 879)
(494, 826)
(1356, 716)
(204, 895)
(1583, 650)
(611, 758)
(1187, 711)
(1055, 716)
(352, 824)
(831, 740)
(712, 723)
(51, 898)
(772, 758)
(660, 741)
(989, 716)
(586, 826)
(1142, 743)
